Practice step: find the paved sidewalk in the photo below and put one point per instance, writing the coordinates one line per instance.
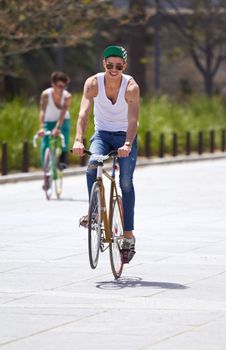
(170, 297)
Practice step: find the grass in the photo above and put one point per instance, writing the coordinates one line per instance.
(19, 122)
(164, 115)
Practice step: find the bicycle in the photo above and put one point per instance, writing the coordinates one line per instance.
(105, 227)
(52, 173)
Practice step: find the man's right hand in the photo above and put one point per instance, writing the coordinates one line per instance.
(78, 148)
(41, 132)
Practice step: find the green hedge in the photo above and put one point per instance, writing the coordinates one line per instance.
(19, 122)
(165, 115)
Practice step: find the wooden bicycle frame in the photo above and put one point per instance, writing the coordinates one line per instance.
(107, 215)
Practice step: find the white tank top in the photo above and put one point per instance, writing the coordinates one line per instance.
(108, 116)
(52, 113)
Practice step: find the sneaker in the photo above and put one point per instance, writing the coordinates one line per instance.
(128, 249)
(46, 184)
(83, 221)
(62, 166)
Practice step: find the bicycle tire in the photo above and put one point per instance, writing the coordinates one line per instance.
(58, 176)
(48, 173)
(94, 225)
(115, 246)
(58, 184)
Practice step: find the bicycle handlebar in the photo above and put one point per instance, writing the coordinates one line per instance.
(48, 133)
(85, 151)
(113, 153)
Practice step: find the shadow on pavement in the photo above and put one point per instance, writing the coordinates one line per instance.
(68, 199)
(134, 282)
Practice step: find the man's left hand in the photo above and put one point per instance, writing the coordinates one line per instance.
(55, 132)
(124, 151)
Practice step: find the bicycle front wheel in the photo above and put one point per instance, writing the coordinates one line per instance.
(58, 176)
(48, 173)
(57, 173)
(58, 183)
(94, 225)
(117, 238)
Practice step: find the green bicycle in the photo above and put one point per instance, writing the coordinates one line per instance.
(52, 173)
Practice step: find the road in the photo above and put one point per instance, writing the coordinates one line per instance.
(171, 296)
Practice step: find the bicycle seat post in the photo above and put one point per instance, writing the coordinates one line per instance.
(99, 169)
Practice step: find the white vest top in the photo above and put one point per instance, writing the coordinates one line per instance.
(52, 113)
(108, 116)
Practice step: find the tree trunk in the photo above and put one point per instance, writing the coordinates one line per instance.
(208, 84)
(205, 69)
(157, 52)
(137, 43)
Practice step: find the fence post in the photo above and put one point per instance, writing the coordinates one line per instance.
(162, 145)
(25, 162)
(148, 144)
(188, 143)
(212, 141)
(200, 142)
(84, 158)
(174, 150)
(4, 159)
(223, 140)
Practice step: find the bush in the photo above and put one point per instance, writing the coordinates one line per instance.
(164, 115)
(19, 122)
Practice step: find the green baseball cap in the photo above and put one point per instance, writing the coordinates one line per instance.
(117, 51)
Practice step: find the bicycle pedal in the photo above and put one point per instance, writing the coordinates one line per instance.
(102, 248)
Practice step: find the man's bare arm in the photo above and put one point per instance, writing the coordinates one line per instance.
(133, 100)
(43, 105)
(64, 109)
(89, 92)
(42, 110)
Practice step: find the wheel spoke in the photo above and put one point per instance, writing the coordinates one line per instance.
(48, 175)
(117, 239)
(94, 225)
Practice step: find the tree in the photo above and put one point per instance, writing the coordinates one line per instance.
(201, 24)
(28, 25)
(137, 42)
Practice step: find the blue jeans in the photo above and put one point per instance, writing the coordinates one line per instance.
(102, 142)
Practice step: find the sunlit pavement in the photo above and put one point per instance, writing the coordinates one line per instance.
(172, 294)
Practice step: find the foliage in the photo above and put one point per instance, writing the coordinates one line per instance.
(201, 24)
(19, 122)
(28, 25)
(165, 115)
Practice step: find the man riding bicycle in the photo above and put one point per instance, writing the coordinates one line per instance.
(116, 110)
(54, 115)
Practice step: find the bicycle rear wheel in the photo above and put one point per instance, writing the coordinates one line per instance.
(58, 183)
(117, 238)
(94, 225)
(48, 173)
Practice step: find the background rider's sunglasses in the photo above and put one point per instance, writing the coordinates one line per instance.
(60, 85)
(117, 66)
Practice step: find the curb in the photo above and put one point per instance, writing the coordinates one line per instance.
(12, 178)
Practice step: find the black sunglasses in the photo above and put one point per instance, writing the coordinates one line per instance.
(60, 85)
(117, 66)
